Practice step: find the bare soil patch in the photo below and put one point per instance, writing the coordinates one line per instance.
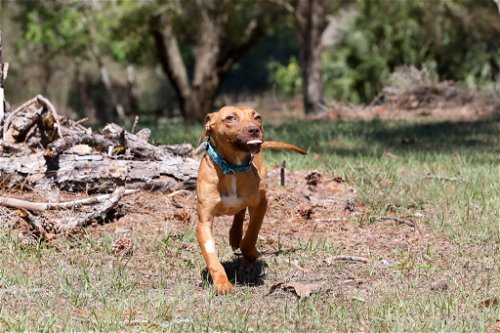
(314, 218)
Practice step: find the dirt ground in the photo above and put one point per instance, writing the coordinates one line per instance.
(312, 210)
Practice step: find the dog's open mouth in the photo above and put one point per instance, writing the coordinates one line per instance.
(254, 145)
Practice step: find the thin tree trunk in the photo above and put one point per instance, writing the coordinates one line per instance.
(89, 110)
(311, 22)
(2, 104)
(132, 91)
(170, 57)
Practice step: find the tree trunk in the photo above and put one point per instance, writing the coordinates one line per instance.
(2, 104)
(89, 110)
(213, 58)
(132, 91)
(311, 22)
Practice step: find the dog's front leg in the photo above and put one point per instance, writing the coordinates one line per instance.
(207, 244)
(248, 242)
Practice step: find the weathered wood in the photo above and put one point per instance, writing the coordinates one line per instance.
(9, 135)
(44, 206)
(47, 150)
(70, 223)
(99, 172)
(50, 125)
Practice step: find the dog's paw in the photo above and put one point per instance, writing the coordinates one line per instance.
(223, 287)
(235, 243)
(251, 255)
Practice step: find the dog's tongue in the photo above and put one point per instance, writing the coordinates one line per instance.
(254, 142)
(254, 146)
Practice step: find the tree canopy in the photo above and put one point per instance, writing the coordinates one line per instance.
(208, 47)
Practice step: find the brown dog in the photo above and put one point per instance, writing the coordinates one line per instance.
(230, 180)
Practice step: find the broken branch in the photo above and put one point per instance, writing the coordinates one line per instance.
(397, 219)
(105, 207)
(446, 178)
(44, 206)
(346, 258)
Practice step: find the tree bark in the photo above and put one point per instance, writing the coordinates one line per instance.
(2, 97)
(497, 2)
(213, 58)
(41, 150)
(132, 91)
(89, 109)
(311, 21)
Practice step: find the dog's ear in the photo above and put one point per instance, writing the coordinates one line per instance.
(207, 130)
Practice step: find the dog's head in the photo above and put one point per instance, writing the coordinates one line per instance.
(235, 127)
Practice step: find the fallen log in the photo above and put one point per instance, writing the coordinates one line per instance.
(41, 149)
(98, 172)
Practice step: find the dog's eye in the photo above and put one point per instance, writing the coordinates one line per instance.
(231, 118)
(259, 118)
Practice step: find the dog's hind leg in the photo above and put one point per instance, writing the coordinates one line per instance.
(236, 231)
(248, 242)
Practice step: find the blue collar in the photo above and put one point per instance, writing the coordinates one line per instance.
(227, 168)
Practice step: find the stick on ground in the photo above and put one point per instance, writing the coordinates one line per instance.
(79, 221)
(44, 206)
(397, 219)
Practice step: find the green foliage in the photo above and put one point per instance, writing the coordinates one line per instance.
(286, 77)
(56, 28)
(77, 29)
(458, 40)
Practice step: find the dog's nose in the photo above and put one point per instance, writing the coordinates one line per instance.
(253, 130)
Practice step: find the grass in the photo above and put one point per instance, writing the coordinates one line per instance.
(77, 284)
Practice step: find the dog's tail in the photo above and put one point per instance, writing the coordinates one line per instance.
(282, 145)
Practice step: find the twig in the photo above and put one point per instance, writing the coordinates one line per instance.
(82, 220)
(50, 107)
(397, 219)
(44, 206)
(78, 122)
(446, 178)
(33, 220)
(282, 173)
(346, 258)
(332, 220)
(174, 193)
(13, 113)
(134, 125)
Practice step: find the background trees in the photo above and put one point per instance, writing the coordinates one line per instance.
(224, 31)
(104, 59)
(455, 40)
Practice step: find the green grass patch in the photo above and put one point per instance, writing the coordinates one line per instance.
(453, 168)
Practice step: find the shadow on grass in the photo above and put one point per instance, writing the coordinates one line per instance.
(238, 275)
(368, 138)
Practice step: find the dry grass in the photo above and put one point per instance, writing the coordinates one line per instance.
(441, 275)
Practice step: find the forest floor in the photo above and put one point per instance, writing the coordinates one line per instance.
(390, 225)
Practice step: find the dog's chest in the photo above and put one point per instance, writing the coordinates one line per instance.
(239, 193)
